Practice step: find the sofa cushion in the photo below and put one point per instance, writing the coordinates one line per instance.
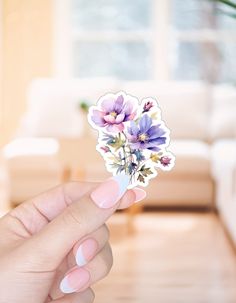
(32, 165)
(184, 106)
(223, 116)
(32, 157)
(53, 105)
(223, 154)
(192, 158)
(224, 171)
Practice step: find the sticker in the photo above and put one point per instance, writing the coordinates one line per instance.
(132, 137)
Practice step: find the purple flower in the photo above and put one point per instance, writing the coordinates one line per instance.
(147, 106)
(145, 135)
(113, 114)
(165, 161)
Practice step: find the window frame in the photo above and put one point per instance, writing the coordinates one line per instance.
(64, 35)
(162, 33)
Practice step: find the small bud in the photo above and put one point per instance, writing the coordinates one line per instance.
(165, 161)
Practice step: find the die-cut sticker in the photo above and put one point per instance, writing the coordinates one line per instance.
(132, 137)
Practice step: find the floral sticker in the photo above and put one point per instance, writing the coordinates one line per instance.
(132, 136)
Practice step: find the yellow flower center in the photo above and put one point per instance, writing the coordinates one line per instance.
(113, 114)
(143, 137)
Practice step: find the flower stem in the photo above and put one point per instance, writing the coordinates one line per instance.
(125, 160)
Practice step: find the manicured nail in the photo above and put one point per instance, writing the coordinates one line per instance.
(110, 192)
(86, 252)
(140, 194)
(74, 280)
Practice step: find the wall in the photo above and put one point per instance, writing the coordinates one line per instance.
(1, 70)
(27, 53)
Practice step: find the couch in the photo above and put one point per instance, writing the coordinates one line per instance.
(224, 172)
(192, 110)
(203, 132)
(31, 166)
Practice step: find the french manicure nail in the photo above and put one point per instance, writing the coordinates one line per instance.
(86, 252)
(74, 280)
(140, 194)
(109, 192)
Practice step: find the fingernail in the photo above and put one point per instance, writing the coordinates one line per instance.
(140, 194)
(74, 281)
(110, 192)
(86, 252)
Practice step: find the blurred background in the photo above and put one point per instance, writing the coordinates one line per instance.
(57, 57)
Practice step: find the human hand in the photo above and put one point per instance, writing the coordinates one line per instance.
(57, 242)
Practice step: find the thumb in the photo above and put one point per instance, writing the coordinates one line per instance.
(53, 242)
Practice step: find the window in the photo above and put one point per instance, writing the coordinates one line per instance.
(110, 38)
(205, 41)
(145, 40)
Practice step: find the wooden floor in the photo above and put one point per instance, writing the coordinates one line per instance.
(171, 258)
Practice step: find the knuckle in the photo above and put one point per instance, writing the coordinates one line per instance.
(71, 216)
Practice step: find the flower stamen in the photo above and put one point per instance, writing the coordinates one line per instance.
(113, 114)
(143, 137)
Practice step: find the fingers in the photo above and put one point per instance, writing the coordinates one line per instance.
(79, 219)
(80, 278)
(37, 212)
(86, 296)
(131, 196)
(101, 265)
(85, 250)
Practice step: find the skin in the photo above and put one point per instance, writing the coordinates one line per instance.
(39, 239)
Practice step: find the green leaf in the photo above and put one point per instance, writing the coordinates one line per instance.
(117, 142)
(114, 159)
(84, 105)
(119, 167)
(141, 178)
(229, 3)
(145, 171)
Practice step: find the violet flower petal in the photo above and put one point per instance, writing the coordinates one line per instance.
(107, 105)
(109, 119)
(118, 106)
(128, 107)
(155, 131)
(145, 123)
(133, 129)
(120, 118)
(97, 118)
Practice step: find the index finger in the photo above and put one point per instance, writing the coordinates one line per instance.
(80, 218)
(40, 210)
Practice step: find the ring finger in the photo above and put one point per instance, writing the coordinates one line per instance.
(80, 278)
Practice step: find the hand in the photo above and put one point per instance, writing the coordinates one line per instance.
(55, 246)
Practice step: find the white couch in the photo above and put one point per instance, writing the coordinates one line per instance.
(186, 109)
(203, 132)
(32, 167)
(223, 159)
(224, 172)
(191, 111)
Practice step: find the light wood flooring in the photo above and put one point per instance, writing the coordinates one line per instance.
(171, 258)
